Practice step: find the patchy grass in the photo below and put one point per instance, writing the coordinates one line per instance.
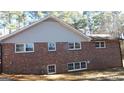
(113, 74)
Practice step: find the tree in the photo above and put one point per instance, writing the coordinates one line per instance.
(73, 18)
(95, 21)
(5, 17)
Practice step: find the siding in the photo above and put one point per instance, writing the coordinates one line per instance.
(46, 32)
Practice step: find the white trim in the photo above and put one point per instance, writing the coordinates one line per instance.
(32, 47)
(79, 65)
(74, 66)
(24, 48)
(54, 44)
(74, 46)
(68, 64)
(48, 69)
(100, 44)
(19, 51)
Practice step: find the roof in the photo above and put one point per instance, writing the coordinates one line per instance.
(43, 19)
(101, 36)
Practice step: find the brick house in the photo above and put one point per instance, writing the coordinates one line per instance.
(51, 46)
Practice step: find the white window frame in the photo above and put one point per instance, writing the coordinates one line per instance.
(74, 46)
(74, 66)
(100, 44)
(19, 51)
(48, 69)
(79, 64)
(24, 48)
(54, 44)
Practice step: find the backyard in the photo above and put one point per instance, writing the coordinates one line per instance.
(111, 74)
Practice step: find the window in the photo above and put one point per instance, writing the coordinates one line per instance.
(20, 48)
(83, 64)
(97, 44)
(70, 66)
(100, 44)
(51, 46)
(71, 45)
(77, 45)
(74, 45)
(29, 47)
(51, 69)
(75, 66)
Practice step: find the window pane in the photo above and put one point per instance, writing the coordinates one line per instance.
(97, 44)
(29, 47)
(77, 65)
(83, 64)
(71, 45)
(77, 45)
(70, 66)
(19, 47)
(51, 69)
(102, 44)
(51, 46)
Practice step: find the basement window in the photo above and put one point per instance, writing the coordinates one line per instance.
(28, 47)
(51, 69)
(70, 66)
(75, 66)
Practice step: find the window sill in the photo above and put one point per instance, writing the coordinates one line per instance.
(100, 47)
(51, 73)
(76, 70)
(51, 50)
(74, 49)
(25, 52)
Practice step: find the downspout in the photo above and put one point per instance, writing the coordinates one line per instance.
(1, 57)
(120, 51)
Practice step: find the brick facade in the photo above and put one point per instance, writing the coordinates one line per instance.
(36, 62)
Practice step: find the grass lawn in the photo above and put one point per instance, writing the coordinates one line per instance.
(114, 74)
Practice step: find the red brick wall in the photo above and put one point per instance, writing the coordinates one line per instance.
(33, 63)
(0, 60)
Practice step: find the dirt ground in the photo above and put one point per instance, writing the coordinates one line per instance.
(113, 74)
